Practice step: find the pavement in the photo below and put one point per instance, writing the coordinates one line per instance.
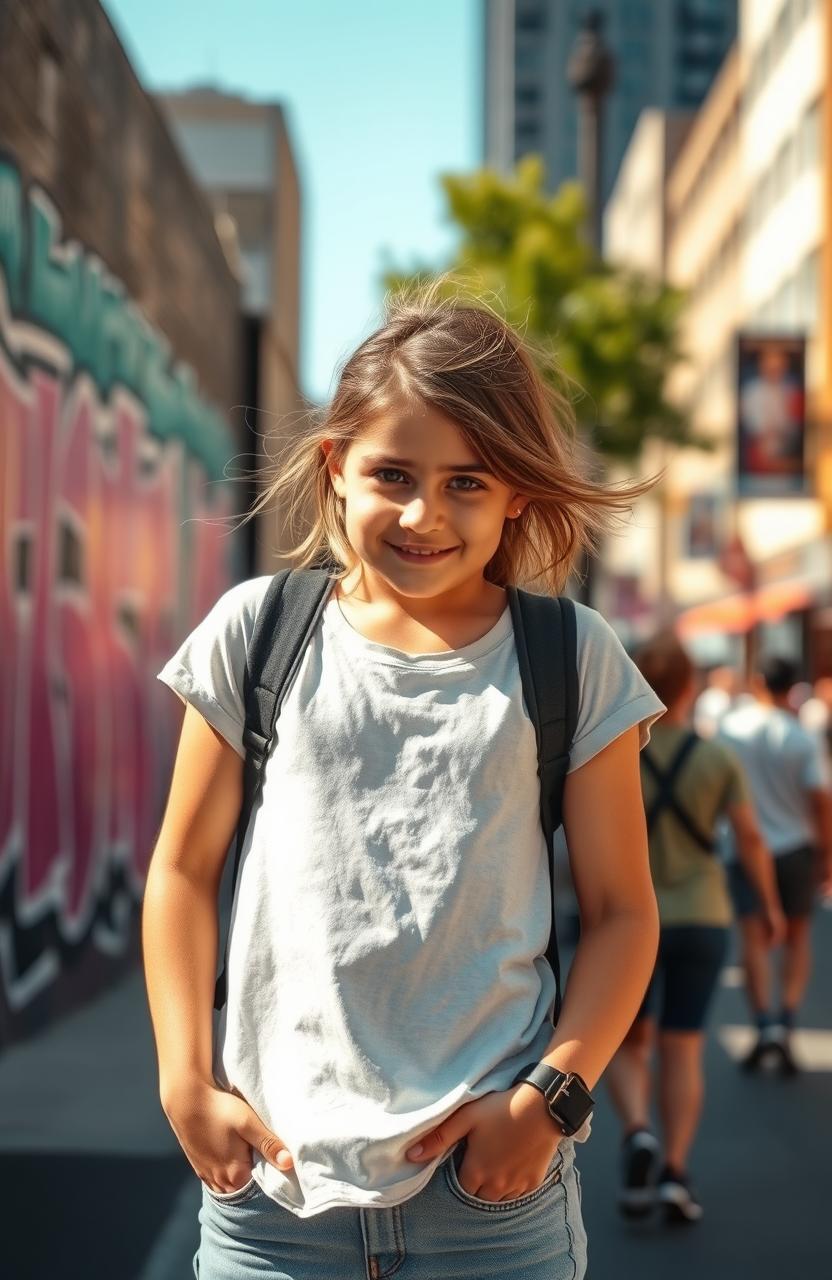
(95, 1187)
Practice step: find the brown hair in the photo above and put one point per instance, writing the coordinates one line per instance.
(665, 666)
(462, 359)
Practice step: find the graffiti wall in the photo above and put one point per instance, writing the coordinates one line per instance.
(114, 540)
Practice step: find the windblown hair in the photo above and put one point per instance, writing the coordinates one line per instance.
(460, 358)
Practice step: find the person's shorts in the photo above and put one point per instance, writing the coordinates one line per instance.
(688, 966)
(795, 873)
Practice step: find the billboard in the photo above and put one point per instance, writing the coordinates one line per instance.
(771, 402)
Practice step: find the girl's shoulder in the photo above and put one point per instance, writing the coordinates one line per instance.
(241, 603)
(612, 693)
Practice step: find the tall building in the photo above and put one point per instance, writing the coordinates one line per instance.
(744, 220)
(667, 53)
(241, 154)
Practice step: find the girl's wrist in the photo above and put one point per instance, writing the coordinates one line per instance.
(183, 1084)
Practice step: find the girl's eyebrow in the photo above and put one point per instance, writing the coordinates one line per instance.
(373, 460)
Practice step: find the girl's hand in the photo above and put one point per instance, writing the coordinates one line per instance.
(510, 1141)
(217, 1131)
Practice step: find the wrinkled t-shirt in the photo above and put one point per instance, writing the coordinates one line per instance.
(386, 953)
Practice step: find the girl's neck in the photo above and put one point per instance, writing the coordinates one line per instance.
(419, 624)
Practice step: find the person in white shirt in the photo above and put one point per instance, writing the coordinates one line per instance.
(789, 780)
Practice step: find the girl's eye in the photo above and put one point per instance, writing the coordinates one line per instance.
(386, 476)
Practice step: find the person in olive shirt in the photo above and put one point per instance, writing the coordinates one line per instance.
(688, 784)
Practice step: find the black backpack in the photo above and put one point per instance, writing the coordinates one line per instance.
(666, 796)
(545, 637)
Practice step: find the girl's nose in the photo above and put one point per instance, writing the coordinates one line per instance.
(420, 514)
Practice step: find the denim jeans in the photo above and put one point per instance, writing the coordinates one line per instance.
(443, 1233)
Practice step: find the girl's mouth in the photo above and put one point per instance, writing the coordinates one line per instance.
(424, 555)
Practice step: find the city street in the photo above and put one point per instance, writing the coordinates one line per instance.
(95, 1188)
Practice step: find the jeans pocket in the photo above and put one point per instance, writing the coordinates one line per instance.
(453, 1162)
(240, 1196)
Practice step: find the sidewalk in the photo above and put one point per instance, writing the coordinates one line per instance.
(761, 1162)
(93, 1180)
(97, 1188)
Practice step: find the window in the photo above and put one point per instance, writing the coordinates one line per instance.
(527, 95)
(70, 553)
(23, 563)
(532, 19)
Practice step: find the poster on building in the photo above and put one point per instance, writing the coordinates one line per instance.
(771, 403)
(703, 526)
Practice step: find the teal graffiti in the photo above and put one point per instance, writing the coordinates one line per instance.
(70, 293)
(11, 231)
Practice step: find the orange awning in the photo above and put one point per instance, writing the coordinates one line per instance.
(737, 613)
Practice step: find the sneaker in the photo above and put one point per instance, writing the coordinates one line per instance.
(781, 1042)
(639, 1170)
(766, 1052)
(676, 1197)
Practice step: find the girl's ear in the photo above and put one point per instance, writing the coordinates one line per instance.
(332, 466)
(517, 505)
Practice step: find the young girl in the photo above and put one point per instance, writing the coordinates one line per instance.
(357, 1114)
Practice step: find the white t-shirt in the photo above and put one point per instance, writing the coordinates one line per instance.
(782, 761)
(386, 957)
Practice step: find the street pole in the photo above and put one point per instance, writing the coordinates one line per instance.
(591, 72)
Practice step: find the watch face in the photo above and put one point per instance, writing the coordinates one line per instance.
(572, 1104)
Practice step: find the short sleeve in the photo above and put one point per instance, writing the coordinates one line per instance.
(207, 669)
(612, 693)
(814, 769)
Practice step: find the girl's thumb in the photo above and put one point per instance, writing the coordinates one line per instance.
(439, 1140)
(267, 1143)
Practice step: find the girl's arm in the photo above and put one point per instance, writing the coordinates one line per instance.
(510, 1136)
(179, 939)
(606, 834)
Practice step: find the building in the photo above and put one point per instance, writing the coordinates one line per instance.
(119, 364)
(744, 221)
(241, 154)
(667, 53)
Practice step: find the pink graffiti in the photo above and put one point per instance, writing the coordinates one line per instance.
(93, 595)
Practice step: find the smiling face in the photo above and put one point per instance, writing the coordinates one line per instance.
(422, 511)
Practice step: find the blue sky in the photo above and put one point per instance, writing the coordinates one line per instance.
(382, 96)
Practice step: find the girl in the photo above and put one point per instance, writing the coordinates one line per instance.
(683, 806)
(358, 1114)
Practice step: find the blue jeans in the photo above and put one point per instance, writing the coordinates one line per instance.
(443, 1233)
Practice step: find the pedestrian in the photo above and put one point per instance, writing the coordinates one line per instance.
(689, 783)
(363, 1112)
(789, 779)
(722, 690)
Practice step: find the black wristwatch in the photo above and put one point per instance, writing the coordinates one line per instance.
(569, 1101)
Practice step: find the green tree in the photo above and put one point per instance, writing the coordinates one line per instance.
(614, 332)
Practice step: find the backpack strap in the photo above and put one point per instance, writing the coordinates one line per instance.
(545, 634)
(666, 797)
(291, 607)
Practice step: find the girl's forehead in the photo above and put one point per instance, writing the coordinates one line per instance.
(420, 430)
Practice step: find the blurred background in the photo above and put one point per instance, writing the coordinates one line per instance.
(200, 210)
